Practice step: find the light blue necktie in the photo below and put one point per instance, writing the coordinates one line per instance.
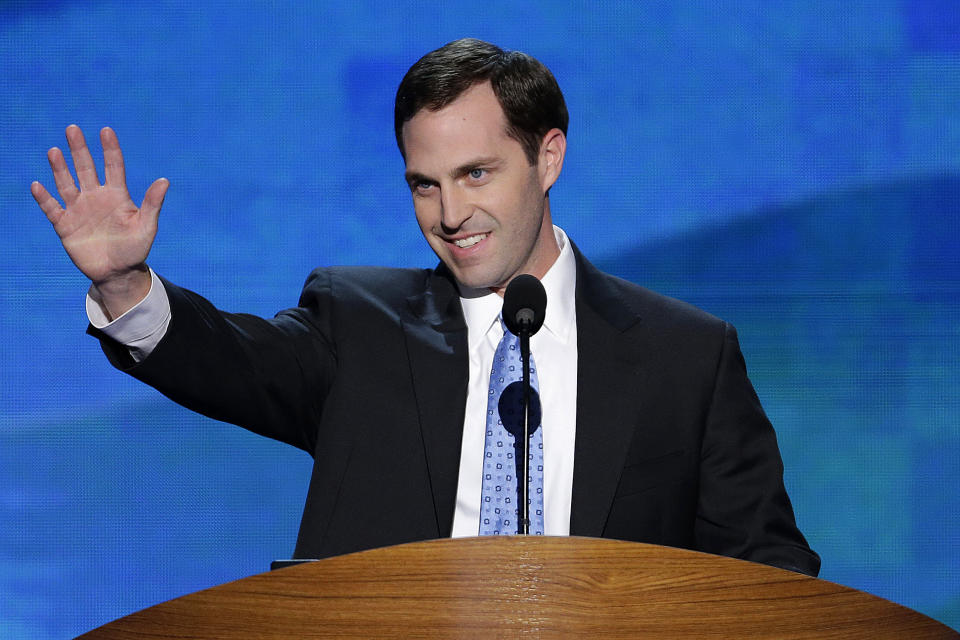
(500, 497)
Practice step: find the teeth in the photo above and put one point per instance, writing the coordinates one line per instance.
(469, 242)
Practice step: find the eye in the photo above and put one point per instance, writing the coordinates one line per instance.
(422, 187)
(477, 173)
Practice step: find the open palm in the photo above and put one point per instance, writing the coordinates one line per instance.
(105, 234)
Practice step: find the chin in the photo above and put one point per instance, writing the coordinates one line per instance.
(474, 280)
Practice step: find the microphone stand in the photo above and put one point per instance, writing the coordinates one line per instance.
(524, 306)
(524, 335)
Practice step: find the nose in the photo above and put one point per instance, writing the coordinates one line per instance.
(455, 209)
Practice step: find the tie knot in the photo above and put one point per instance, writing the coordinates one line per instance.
(508, 337)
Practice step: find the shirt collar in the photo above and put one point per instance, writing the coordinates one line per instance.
(481, 309)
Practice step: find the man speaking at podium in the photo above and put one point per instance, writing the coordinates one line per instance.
(392, 379)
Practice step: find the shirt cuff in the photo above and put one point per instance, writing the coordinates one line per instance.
(142, 327)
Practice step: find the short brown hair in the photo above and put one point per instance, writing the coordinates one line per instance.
(528, 93)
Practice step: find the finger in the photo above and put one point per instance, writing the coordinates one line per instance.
(82, 160)
(153, 199)
(61, 175)
(48, 204)
(112, 159)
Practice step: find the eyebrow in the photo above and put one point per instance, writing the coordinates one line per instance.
(467, 167)
(413, 177)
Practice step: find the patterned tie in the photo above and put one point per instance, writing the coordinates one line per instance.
(503, 447)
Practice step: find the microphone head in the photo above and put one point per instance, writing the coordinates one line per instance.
(524, 305)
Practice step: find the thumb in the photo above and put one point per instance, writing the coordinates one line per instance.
(153, 199)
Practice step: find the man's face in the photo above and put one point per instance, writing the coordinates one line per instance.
(479, 203)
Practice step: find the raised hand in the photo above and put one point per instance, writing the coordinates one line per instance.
(105, 234)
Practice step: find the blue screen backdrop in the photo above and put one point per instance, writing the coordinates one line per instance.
(793, 167)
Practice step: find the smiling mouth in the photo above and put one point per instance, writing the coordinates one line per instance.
(465, 243)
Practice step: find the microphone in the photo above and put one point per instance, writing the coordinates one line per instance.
(524, 307)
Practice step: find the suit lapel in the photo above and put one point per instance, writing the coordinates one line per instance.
(610, 381)
(437, 346)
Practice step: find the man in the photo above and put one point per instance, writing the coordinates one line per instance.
(651, 430)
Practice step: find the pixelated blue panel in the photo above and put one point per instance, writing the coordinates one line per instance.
(791, 167)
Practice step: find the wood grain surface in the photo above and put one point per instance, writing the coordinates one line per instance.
(527, 587)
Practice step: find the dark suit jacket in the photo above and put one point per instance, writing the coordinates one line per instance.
(369, 375)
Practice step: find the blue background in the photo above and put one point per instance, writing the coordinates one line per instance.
(790, 166)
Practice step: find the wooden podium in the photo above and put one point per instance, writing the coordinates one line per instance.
(527, 586)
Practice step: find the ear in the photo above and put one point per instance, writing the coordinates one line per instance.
(552, 149)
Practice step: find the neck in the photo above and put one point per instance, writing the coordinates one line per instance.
(544, 254)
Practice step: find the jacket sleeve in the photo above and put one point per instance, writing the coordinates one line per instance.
(267, 375)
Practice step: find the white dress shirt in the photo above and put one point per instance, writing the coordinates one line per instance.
(554, 349)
